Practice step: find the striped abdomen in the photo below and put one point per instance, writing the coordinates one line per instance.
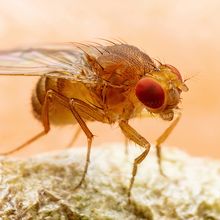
(58, 113)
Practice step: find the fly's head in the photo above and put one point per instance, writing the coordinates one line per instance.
(160, 90)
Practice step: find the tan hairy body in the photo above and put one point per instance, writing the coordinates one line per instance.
(109, 84)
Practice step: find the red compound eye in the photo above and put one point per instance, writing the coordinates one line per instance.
(150, 93)
(174, 70)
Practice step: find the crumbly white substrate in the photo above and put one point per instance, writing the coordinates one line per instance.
(42, 187)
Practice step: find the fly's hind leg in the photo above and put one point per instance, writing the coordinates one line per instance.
(77, 106)
(126, 142)
(74, 138)
(45, 122)
(89, 136)
(133, 135)
(162, 138)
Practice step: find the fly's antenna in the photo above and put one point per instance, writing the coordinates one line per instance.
(189, 78)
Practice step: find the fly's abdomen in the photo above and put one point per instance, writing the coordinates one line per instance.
(38, 96)
(58, 114)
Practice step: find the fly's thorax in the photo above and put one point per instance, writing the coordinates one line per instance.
(120, 64)
(118, 103)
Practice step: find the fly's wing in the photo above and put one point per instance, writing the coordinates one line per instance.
(66, 63)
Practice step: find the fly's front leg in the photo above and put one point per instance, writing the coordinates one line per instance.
(45, 122)
(162, 138)
(133, 135)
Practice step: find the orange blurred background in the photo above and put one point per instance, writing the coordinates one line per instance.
(185, 34)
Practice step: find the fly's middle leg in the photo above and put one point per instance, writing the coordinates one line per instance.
(133, 135)
(162, 138)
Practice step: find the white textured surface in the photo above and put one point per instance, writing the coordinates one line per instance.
(42, 187)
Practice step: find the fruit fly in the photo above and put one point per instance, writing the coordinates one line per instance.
(110, 83)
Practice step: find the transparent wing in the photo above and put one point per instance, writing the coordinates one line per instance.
(68, 63)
